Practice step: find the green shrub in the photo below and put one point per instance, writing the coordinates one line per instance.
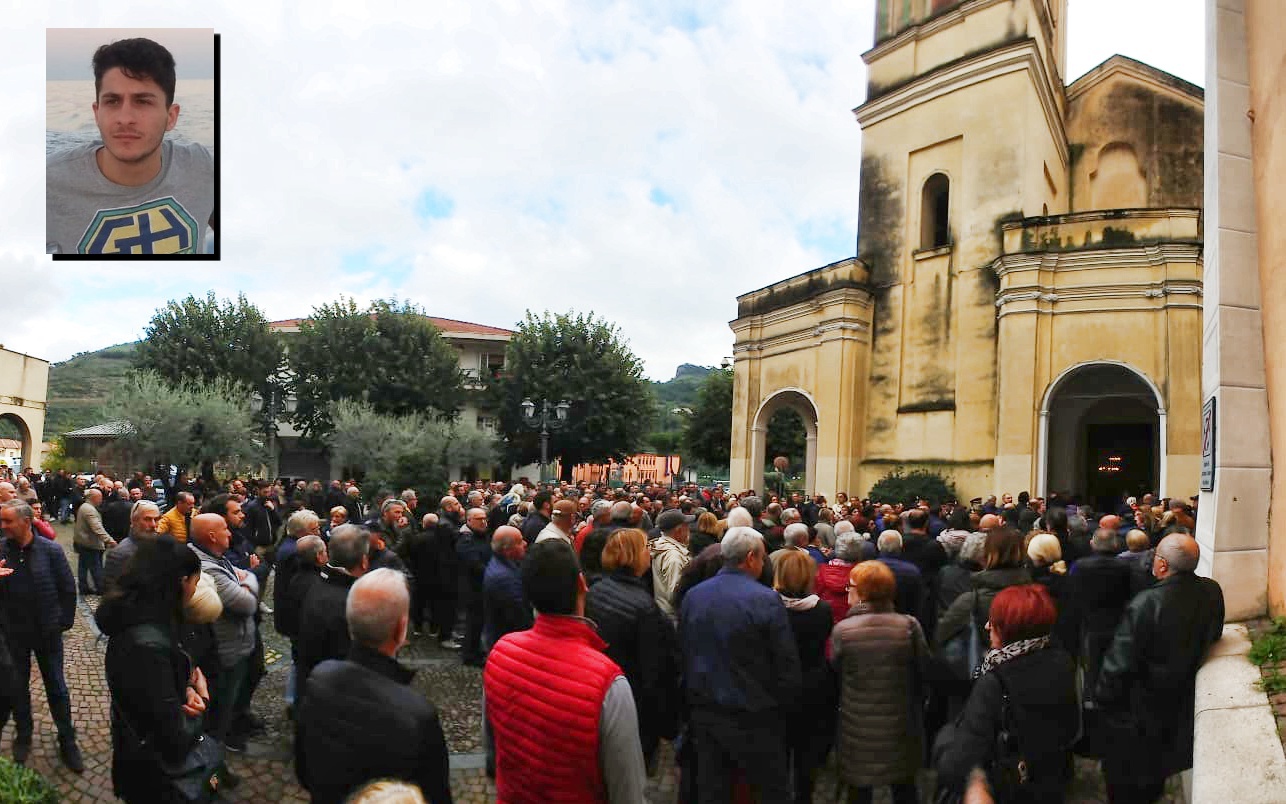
(19, 785)
(907, 487)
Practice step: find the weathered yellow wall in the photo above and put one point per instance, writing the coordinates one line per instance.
(24, 385)
(1266, 35)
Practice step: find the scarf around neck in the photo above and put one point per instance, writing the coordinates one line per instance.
(998, 656)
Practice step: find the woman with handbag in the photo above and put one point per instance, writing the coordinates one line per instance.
(1022, 716)
(159, 752)
(881, 659)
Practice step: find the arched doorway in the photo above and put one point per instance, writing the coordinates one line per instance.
(13, 428)
(1102, 435)
(800, 402)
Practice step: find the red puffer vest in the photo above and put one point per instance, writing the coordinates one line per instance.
(544, 689)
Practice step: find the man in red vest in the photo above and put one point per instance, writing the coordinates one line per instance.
(560, 711)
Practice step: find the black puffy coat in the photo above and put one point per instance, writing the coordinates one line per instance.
(360, 720)
(987, 584)
(641, 639)
(147, 674)
(1043, 712)
(1149, 674)
(813, 730)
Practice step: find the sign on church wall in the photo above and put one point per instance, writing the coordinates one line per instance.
(1208, 445)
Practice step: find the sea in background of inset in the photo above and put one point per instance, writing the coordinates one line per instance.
(69, 117)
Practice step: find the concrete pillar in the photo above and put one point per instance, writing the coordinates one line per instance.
(810, 463)
(1266, 48)
(1232, 525)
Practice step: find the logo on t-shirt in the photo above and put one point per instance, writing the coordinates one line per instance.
(162, 226)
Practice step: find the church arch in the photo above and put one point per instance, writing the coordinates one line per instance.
(10, 422)
(1102, 434)
(935, 212)
(1118, 181)
(802, 403)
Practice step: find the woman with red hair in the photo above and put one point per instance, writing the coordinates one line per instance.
(1022, 716)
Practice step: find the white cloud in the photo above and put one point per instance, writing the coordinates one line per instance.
(549, 128)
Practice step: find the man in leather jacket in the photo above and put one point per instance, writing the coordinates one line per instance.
(1147, 684)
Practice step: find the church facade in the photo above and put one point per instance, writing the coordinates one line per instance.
(1024, 308)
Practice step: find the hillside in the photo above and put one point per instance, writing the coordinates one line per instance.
(79, 387)
(681, 392)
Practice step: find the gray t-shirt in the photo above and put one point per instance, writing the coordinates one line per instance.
(85, 213)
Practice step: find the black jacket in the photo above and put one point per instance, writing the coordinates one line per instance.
(292, 587)
(813, 728)
(323, 628)
(115, 514)
(1149, 674)
(360, 720)
(473, 552)
(52, 607)
(1044, 713)
(1098, 589)
(642, 641)
(147, 674)
(261, 523)
(532, 526)
(953, 581)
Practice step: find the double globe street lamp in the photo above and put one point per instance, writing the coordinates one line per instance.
(549, 417)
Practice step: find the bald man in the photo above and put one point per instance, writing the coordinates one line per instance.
(988, 523)
(1149, 674)
(7, 491)
(504, 605)
(234, 631)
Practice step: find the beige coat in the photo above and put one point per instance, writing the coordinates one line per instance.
(88, 532)
(668, 560)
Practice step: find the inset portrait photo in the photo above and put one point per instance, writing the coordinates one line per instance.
(131, 138)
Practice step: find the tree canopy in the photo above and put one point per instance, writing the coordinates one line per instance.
(187, 426)
(585, 361)
(204, 341)
(404, 451)
(708, 435)
(387, 354)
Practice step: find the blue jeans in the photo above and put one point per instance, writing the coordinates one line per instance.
(49, 657)
(292, 680)
(64, 509)
(91, 562)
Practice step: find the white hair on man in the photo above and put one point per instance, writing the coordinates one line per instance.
(378, 607)
(301, 522)
(796, 534)
(137, 510)
(890, 542)
(844, 526)
(848, 547)
(791, 515)
(738, 543)
(740, 518)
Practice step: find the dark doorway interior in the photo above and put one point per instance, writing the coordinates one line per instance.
(1119, 461)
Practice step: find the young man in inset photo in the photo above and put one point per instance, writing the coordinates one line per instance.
(132, 192)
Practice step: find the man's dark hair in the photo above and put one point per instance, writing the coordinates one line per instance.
(218, 504)
(541, 500)
(139, 59)
(917, 519)
(549, 577)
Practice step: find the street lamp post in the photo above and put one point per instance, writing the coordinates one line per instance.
(549, 417)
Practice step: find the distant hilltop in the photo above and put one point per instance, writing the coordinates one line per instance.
(689, 370)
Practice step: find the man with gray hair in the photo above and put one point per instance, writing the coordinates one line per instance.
(1148, 676)
(362, 705)
(301, 573)
(794, 538)
(323, 629)
(910, 597)
(740, 517)
(741, 672)
(144, 523)
(89, 540)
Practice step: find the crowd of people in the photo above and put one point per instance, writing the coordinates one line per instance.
(765, 638)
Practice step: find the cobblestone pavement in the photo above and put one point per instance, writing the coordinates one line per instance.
(267, 767)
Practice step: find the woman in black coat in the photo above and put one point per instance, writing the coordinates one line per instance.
(809, 736)
(639, 637)
(158, 697)
(1041, 717)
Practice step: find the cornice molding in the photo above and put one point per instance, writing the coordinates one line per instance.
(1020, 56)
(1150, 255)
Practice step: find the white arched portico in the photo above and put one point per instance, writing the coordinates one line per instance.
(1108, 380)
(800, 401)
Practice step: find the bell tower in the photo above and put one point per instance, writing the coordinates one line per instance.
(963, 129)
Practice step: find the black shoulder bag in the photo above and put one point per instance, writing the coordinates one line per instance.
(195, 777)
(1009, 773)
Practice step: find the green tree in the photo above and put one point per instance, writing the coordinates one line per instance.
(404, 451)
(585, 361)
(908, 487)
(188, 426)
(787, 437)
(205, 341)
(708, 435)
(388, 354)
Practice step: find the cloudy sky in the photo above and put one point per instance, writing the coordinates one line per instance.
(647, 161)
(68, 51)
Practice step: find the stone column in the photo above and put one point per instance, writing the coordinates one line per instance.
(1232, 524)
